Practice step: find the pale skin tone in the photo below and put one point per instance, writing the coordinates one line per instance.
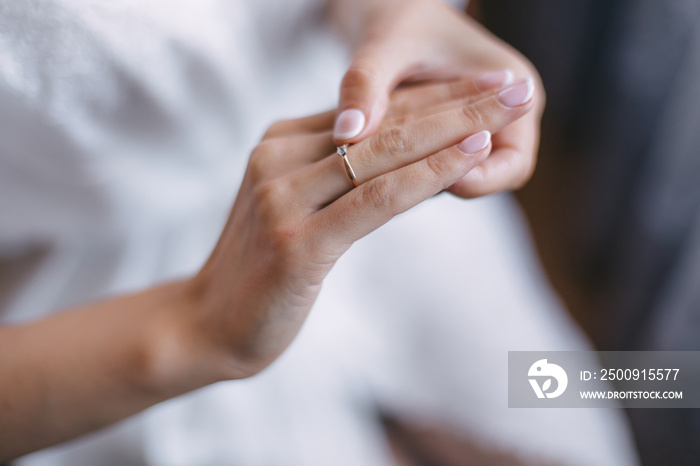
(296, 213)
(400, 41)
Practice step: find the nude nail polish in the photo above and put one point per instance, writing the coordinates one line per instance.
(475, 143)
(349, 124)
(494, 80)
(517, 93)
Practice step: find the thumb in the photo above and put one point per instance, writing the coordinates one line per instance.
(364, 92)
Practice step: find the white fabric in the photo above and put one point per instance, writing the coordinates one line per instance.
(125, 128)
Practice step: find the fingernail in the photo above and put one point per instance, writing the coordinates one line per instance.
(349, 124)
(517, 93)
(475, 143)
(494, 80)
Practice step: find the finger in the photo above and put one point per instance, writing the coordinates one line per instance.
(374, 203)
(409, 108)
(509, 166)
(322, 122)
(402, 101)
(397, 147)
(417, 114)
(400, 112)
(364, 91)
(282, 155)
(412, 98)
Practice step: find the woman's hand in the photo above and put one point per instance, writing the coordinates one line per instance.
(297, 212)
(408, 40)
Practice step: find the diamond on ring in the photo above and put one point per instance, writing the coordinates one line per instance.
(343, 153)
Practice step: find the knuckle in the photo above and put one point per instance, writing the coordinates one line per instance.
(439, 166)
(275, 129)
(377, 194)
(259, 162)
(262, 160)
(391, 141)
(474, 115)
(269, 200)
(257, 165)
(359, 77)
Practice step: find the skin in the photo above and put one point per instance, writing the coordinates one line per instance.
(296, 213)
(399, 41)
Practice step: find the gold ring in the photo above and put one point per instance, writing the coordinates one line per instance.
(343, 153)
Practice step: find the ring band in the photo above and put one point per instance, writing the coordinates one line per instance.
(343, 153)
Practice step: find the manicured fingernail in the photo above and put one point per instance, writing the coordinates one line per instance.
(475, 142)
(494, 80)
(517, 93)
(349, 124)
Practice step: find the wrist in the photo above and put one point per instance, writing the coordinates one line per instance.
(180, 357)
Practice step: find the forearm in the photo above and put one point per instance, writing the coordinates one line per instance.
(83, 369)
(294, 215)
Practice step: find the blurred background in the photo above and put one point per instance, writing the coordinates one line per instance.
(614, 202)
(124, 133)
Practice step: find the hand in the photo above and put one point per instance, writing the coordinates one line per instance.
(407, 40)
(297, 212)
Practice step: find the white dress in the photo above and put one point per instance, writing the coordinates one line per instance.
(125, 129)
